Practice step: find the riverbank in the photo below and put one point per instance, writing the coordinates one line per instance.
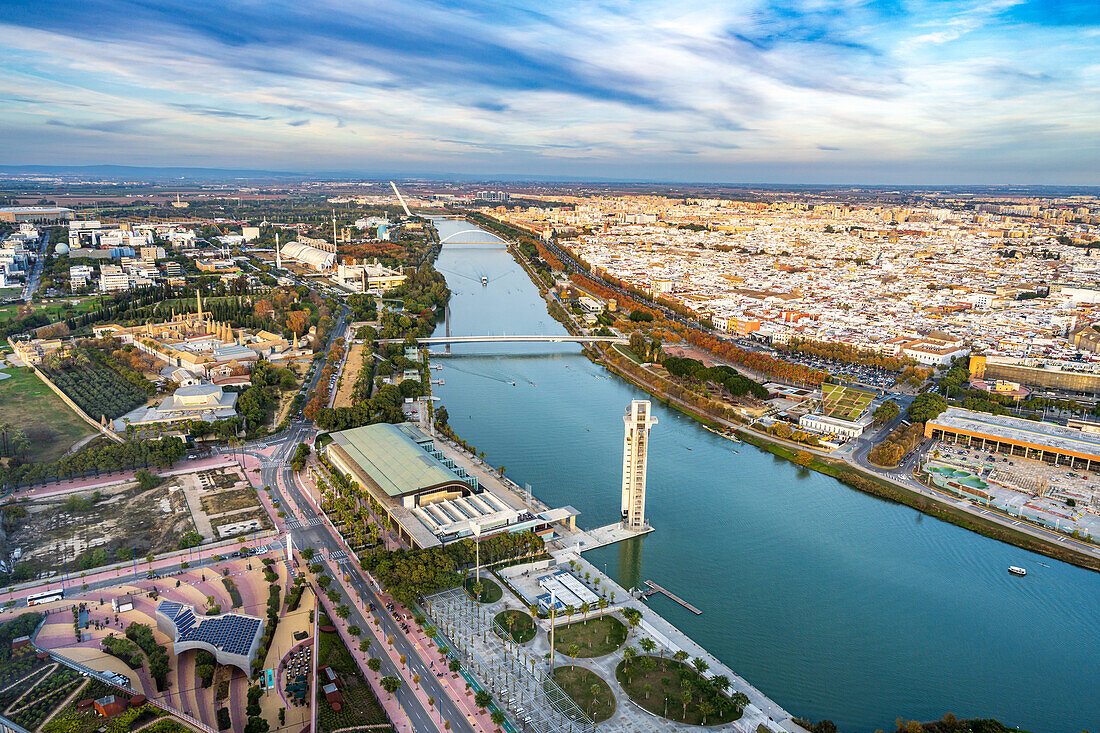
(947, 509)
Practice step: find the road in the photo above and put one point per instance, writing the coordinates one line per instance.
(856, 451)
(311, 531)
(31, 287)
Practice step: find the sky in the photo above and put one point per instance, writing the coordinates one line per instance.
(794, 91)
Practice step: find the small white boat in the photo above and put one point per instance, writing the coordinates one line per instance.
(1016, 571)
(484, 280)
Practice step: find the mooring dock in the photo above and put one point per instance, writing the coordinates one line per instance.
(654, 588)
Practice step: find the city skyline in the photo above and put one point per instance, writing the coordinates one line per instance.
(898, 93)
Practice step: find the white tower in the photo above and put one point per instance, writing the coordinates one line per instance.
(278, 254)
(637, 422)
(289, 548)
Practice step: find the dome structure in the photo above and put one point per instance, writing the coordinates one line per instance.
(61, 249)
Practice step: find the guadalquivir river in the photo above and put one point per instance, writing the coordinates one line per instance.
(834, 603)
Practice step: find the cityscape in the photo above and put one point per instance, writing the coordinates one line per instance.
(550, 369)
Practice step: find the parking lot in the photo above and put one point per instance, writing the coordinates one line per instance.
(869, 376)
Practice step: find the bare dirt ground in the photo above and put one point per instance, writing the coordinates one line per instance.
(350, 373)
(56, 531)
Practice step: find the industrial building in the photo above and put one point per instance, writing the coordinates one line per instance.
(1056, 374)
(430, 500)
(1054, 444)
(45, 215)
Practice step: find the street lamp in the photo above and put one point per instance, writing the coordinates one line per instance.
(476, 529)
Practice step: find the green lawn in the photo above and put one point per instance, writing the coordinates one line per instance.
(50, 426)
(578, 683)
(597, 638)
(57, 308)
(490, 591)
(658, 685)
(519, 625)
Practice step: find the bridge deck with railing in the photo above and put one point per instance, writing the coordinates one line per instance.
(533, 339)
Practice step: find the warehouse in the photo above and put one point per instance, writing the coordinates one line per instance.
(1054, 444)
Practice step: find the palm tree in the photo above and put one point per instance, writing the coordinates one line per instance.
(681, 656)
(706, 707)
(647, 688)
(595, 690)
(700, 665)
(584, 610)
(629, 653)
(721, 683)
(740, 699)
(685, 698)
(574, 650)
(647, 645)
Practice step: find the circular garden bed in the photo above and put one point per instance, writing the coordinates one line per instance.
(675, 691)
(588, 690)
(518, 625)
(490, 591)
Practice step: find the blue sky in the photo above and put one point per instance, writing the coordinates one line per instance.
(992, 91)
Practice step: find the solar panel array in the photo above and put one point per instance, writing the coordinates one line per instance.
(230, 633)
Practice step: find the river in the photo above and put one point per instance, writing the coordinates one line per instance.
(834, 603)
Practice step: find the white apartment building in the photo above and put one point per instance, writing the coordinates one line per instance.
(79, 275)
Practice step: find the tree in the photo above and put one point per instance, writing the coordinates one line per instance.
(647, 644)
(391, 684)
(633, 617)
(804, 458)
(585, 608)
(680, 655)
(297, 322)
(886, 412)
(700, 665)
(483, 699)
(374, 664)
(927, 406)
(498, 717)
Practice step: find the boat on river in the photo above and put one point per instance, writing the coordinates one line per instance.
(1016, 570)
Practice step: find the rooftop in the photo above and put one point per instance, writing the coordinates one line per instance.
(393, 459)
(1007, 428)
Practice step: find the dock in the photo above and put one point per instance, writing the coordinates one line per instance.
(654, 588)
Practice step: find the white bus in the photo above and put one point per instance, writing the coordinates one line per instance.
(47, 597)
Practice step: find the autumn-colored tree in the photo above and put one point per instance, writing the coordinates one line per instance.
(263, 308)
(297, 322)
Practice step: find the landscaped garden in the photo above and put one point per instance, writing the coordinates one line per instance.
(595, 637)
(518, 624)
(588, 690)
(674, 690)
(490, 592)
(361, 707)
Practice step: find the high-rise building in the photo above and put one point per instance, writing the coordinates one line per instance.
(638, 421)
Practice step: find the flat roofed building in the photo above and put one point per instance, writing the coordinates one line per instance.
(36, 214)
(1053, 444)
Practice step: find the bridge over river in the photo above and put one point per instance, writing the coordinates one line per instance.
(491, 339)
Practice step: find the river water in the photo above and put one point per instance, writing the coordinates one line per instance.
(835, 604)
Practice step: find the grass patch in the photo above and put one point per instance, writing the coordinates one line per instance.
(229, 501)
(599, 637)
(588, 690)
(520, 626)
(659, 686)
(490, 591)
(51, 428)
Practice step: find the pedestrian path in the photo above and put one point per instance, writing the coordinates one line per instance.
(300, 523)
